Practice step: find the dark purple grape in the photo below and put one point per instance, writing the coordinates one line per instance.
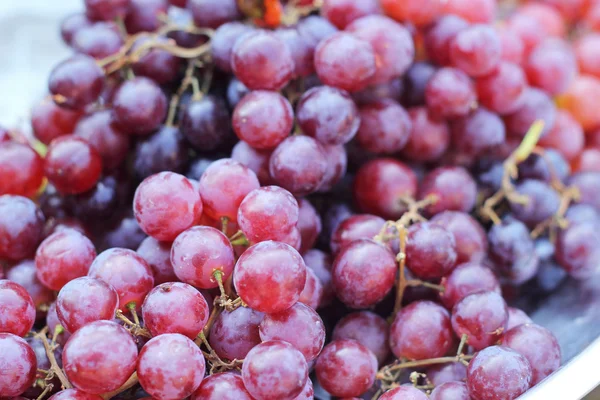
(213, 13)
(588, 184)
(139, 106)
(164, 150)
(478, 132)
(76, 82)
(542, 202)
(205, 123)
(536, 105)
(99, 40)
(415, 81)
(71, 24)
(157, 64)
(471, 240)
(430, 250)
(145, 15)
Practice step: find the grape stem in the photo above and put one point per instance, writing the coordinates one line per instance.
(47, 389)
(134, 328)
(131, 382)
(239, 239)
(401, 258)
(216, 363)
(53, 364)
(421, 363)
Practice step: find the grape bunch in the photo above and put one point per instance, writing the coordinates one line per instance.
(288, 200)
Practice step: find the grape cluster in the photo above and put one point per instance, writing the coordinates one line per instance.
(247, 199)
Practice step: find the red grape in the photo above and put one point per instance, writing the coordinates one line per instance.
(320, 263)
(513, 48)
(76, 82)
(502, 90)
(482, 11)
(74, 394)
(49, 121)
(328, 115)
(158, 256)
(342, 12)
(367, 328)
(99, 40)
(476, 50)
(385, 127)
(363, 273)
(309, 224)
(498, 373)
(361, 226)
(528, 29)
(299, 164)
(478, 133)
(21, 169)
(516, 317)
(156, 64)
(542, 202)
(482, 316)
(166, 204)
(337, 163)
(62, 257)
(18, 365)
(256, 160)
(588, 161)
(314, 28)
(268, 213)
(312, 294)
(261, 60)
(222, 42)
(579, 100)
(414, 83)
(270, 276)
(263, 119)
(213, 13)
(222, 386)
(24, 274)
(440, 35)
(429, 139)
(301, 50)
(345, 62)
(84, 300)
(442, 373)
(536, 105)
(566, 137)
(100, 357)
(467, 279)
(21, 227)
(588, 185)
(145, 15)
(126, 272)
(106, 10)
(71, 24)
(552, 66)
(430, 250)
(450, 391)
(346, 368)
(587, 51)
(139, 106)
(205, 123)
(380, 185)
(548, 17)
(392, 43)
(17, 313)
(235, 332)
(170, 366)
(577, 250)
(450, 93)
(200, 251)
(274, 370)
(470, 238)
(416, 12)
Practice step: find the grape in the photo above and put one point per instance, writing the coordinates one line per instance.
(235, 332)
(261, 60)
(270, 276)
(588, 185)
(18, 365)
(415, 12)
(476, 50)
(71, 24)
(363, 273)
(145, 15)
(84, 300)
(588, 161)
(568, 9)
(74, 394)
(166, 204)
(392, 43)
(513, 48)
(21, 169)
(536, 105)
(552, 66)
(513, 251)
(362, 226)
(538, 345)
(263, 119)
(222, 42)
(49, 121)
(256, 160)
(72, 165)
(17, 313)
(577, 250)
(385, 127)
(467, 279)
(342, 12)
(126, 234)
(106, 10)
(213, 13)
(337, 163)
(516, 317)
(158, 256)
(301, 50)
(162, 306)
(414, 83)
(320, 263)
(170, 366)
(309, 224)
(99, 40)
(502, 90)
(164, 150)
(99, 357)
(406, 333)
(380, 184)
(450, 93)
(274, 370)
(268, 213)
(498, 373)
(126, 272)
(482, 11)
(222, 386)
(156, 64)
(542, 202)
(453, 188)
(470, 238)
(293, 238)
(224, 185)
(345, 62)
(299, 325)
(579, 100)
(478, 132)
(139, 106)
(482, 316)
(21, 226)
(77, 81)
(528, 29)
(404, 392)
(24, 274)
(312, 294)
(442, 373)
(547, 168)
(299, 165)
(450, 391)
(548, 17)
(53, 322)
(205, 123)
(438, 38)
(236, 90)
(328, 114)
(587, 51)
(367, 328)
(62, 257)
(110, 143)
(428, 140)
(346, 368)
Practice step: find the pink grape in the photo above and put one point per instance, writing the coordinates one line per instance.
(367, 328)
(18, 364)
(17, 311)
(235, 333)
(222, 386)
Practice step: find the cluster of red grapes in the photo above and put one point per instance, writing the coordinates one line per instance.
(405, 167)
